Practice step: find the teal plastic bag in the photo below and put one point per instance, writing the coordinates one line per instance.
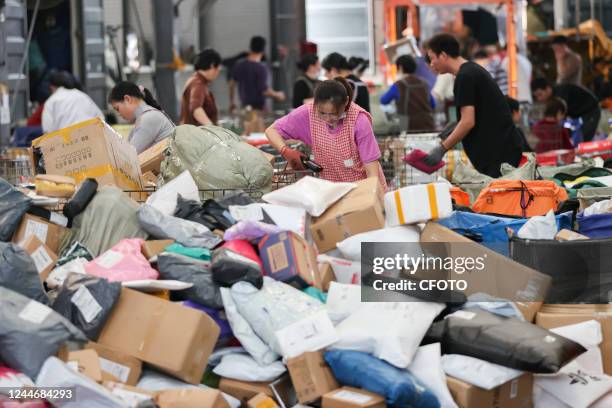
(203, 254)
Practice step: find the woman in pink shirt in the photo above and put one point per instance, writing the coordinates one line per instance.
(338, 131)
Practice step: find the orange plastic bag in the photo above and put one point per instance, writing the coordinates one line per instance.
(521, 198)
(459, 196)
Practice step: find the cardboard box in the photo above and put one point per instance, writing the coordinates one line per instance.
(361, 210)
(190, 398)
(348, 397)
(44, 258)
(261, 401)
(568, 235)
(125, 368)
(132, 395)
(47, 232)
(91, 149)
(551, 316)
(154, 248)
(517, 393)
(289, 258)
(152, 158)
(280, 389)
(311, 376)
(504, 277)
(86, 362)
(173, 338)
(326, 276)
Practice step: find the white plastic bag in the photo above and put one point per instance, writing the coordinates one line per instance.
(539, 227)
(588, 334)
(427, 368)
(351, 247)
(478, 372)
(243, 367)
(600, 207)
(345, 271)
(342, 300)
(165, 198)
(243, 331)
(58, 275)
(575, 387)
(87, 393)
(310, 193)
(391, 331)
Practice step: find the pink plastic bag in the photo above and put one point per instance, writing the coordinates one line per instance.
(123, 262)
(415, 159)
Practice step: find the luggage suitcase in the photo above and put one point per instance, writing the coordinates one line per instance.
(522, 198)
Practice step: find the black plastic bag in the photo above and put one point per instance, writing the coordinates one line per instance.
(506, 341)
(81, 198)
(229, 267)
(210, 214)
(87, 301)
(31, 332)
(18, 272)
(185, 269)
(13, 204)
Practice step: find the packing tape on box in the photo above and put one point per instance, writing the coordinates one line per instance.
(101, 171)
(65, 132)
(433, 203)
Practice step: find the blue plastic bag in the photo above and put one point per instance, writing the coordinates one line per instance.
(490, 230)
(595, 226)
(362, 370)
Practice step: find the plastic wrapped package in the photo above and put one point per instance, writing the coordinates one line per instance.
(75, 251)
(243, 367)
(391, 331)
(165, 199)
(274, 307)
(342, 300)
(13, 204)
(351, 247)
(478, 372)
(210, 214)
(503, 340)
(87, 302)
(18, 272)
(110, 217)
(30, 332)
(185, 232)
(81, 199)
(185, 269)
(243, 331)
(250, 230)
(426, 367)
(312, 194)
(361, 370)
(216, 158)
(539, 227)
(235, 262)
(58, 275)
(203, 254)
(123, 262)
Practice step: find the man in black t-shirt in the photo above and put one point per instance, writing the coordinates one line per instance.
(581, 103)
(485, 123)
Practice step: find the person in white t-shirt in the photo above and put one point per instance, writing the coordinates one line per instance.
(67, 105)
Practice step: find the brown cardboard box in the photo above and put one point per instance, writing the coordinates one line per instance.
(44, 258)
(507, 279)
(91, 149)
(153, 248)
(311, 376)
(348, 397)
(552, 316)
(261, 401)
(361, 210)
(568, 235)
(47, 232)
(87, 363)
(127, 393)
(125, 368)
(152, 158)
(177, 340)
(517, 393)
(191, 398)
(326, 276)
(244, 391)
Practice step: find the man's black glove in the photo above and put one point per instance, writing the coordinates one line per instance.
(435, 156)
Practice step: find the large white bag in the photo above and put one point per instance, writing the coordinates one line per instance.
(478, 372)
(427, 368)
(312, 194)
(539, 227)
(351, 247)
(243, 331)
(418, 203)
(342, 300)
(243, 367)
(345, 271)
(391, 331)
(166, 197)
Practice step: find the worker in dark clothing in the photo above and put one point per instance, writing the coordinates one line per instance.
(485, 124)
(336, 65)
(303, 88)
(581, 103)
